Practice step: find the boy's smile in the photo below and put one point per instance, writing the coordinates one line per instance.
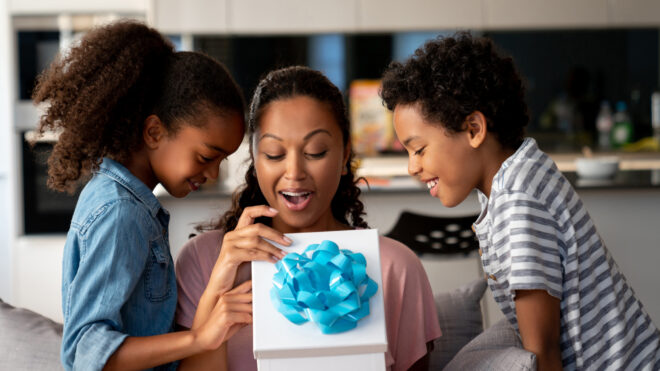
(444, 161)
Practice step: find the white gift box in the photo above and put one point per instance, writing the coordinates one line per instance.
(282, 345)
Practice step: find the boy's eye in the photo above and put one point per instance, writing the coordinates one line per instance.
(419, 151)
(317, 155)
(273, 157)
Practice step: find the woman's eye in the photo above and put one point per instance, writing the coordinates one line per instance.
(273, 157)
(419, 151)
(205, 159)
(317, 155)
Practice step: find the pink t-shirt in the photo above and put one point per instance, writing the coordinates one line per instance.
(410, 313)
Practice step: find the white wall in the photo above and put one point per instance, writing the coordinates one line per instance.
(8, 176)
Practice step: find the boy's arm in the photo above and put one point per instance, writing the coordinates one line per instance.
(539, 324)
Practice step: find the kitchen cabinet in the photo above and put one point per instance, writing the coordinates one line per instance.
(190, 16)
(291, 16)
(625, 13)
(508, 14)
(378, 15)
(50, 7)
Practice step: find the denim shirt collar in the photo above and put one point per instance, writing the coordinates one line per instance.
(123, 176)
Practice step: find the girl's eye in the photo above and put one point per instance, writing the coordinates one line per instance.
(317, 155)
(205, 159)
(419, 151)
(274, 157)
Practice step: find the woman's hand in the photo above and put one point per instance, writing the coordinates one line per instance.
(246, 243)
(232, 311)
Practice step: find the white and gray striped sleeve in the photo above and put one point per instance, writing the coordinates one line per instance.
(534, 243)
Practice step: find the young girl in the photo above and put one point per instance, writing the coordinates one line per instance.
(300, 166)
(459, 111)
(132, 113)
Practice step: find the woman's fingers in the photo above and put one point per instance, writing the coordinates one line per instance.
(243, 288)
(264, 231)
(253, 212)
(253, 247)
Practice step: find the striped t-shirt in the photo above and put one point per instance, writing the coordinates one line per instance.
(535, 234)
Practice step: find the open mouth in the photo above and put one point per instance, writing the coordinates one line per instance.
(296, 200)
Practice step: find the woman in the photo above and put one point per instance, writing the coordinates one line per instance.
(300, 167)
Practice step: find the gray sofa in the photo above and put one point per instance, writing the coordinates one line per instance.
(30, 341)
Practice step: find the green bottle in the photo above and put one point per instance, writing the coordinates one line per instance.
(622, 130)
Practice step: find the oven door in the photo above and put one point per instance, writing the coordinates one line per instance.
(45, 210)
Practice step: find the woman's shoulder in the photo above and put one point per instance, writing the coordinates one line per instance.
(393, 252)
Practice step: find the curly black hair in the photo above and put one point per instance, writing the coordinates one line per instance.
(100, 92)
(287, 83)
(452, 77)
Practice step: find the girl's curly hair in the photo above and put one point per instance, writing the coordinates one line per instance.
(100, 92)
(454, 76)
(283, 84)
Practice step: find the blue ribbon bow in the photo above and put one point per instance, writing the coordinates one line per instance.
(324, 289)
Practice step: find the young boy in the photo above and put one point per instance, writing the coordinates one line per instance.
(459, 111)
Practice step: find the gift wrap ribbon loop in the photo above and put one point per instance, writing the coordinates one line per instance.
(332, 288)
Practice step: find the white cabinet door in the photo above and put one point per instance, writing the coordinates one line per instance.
(415, 15)
(534, 14)
(291, 16)
(190, 16)
(634, 13)
(25, 7)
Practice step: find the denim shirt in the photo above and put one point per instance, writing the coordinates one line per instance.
(118, 275)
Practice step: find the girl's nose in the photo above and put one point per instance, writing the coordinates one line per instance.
(212, 170)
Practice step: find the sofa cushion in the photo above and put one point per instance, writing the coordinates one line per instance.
(29, 341)
(498, 348)
(459, 314)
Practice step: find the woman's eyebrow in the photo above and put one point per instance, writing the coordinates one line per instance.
(311, 134)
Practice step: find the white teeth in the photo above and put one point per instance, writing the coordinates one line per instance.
(430, 184)
(294, 194)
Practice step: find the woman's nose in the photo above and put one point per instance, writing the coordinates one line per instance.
(295, 167)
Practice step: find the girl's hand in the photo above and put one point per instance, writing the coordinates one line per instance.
(246, 243)
(232, 311)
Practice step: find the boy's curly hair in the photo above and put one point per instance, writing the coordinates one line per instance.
(100, 92)
(282, 84)
(452, 77)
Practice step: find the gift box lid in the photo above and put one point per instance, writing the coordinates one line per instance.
(274, 336)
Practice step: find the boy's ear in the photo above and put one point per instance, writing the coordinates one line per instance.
(154, 131)
(477, 128)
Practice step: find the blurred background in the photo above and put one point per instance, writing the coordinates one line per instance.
(590, 67)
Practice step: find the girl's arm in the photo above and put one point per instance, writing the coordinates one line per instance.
(538, 315)
(232, 311)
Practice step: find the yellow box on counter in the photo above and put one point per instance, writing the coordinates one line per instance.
(371, 121)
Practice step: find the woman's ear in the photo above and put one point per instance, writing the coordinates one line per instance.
(154, 131)
(347, 153)
(477, 128)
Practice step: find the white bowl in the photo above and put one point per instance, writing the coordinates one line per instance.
(596, 167)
